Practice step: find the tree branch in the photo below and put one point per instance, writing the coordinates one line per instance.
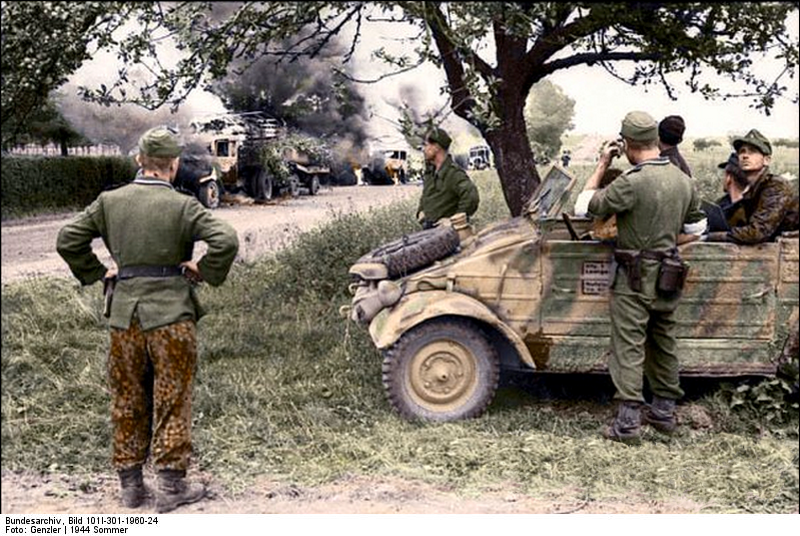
(590, 58)
(462, 102)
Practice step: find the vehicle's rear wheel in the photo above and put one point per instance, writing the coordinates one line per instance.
(313, 186)
(294, 185)
(442, 370)
(260, 185)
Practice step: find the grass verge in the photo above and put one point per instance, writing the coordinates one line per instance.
(287, 388)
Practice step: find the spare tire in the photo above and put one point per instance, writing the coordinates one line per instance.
(415, 250)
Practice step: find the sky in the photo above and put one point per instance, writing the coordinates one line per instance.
(601, 100)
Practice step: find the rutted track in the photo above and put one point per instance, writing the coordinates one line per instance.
(28, 245)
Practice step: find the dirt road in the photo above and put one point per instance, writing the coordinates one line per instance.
(76, 494)
(28, 245)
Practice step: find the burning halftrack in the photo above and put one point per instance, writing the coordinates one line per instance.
(450, 308)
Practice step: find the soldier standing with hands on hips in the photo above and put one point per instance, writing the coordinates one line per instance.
(654, 202)
(150, 230)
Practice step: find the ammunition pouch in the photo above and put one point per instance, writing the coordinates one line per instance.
(672, 275)
(672, 269)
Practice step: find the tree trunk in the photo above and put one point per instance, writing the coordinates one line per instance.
(64, 148)
(514, 158)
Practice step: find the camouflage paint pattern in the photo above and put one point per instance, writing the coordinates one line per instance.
(768, 207)
(548, 295)
(150, 377)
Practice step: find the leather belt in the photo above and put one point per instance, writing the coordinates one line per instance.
(625, 255)
(128, 272)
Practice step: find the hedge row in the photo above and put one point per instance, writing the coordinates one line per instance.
(33, 185)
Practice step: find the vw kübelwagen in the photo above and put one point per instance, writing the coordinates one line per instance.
(450, 308)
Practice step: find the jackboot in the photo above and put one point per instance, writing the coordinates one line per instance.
(175, 491)
(626, 427)
(132, 487)
(661, 415)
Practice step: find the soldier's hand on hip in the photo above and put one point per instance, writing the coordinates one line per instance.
(191, 271)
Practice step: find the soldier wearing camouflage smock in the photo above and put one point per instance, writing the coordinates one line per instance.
(767, 207)
(654, 202)
(150, 230)
(446, 188)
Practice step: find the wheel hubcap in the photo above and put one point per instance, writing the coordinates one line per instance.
(442, 376)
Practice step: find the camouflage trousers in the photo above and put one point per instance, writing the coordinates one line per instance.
(150, 377)
(643, 344)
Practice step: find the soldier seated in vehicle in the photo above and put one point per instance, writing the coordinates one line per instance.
(767, 207)
(734, 185)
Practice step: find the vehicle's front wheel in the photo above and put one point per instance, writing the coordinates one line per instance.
(442, 370)
(209, 194)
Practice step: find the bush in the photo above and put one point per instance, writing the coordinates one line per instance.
(42, 184)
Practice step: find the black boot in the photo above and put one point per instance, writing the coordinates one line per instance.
(661, 415)
(133, 491)
(174, 491)
(626, 427)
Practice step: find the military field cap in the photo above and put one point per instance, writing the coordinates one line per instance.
(733, 160)
(160, 142)
(756, 139)
(439, 137)
(671, 129)
(639, 126)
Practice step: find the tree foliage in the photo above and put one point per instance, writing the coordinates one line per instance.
(42, 44)
(492, 53)
(701, 144)
(548, 114)
(48, 125)
(786, 142)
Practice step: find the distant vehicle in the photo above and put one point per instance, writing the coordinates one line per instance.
(479, 157)
(251, 154)
(396, 165)
(197, 176)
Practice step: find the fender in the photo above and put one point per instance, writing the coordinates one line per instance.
(390, 324)
(208, 178)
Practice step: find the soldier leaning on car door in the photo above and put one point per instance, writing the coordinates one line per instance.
(654, 202)
(150, 230)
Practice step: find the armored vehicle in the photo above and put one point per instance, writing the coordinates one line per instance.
(450, 308)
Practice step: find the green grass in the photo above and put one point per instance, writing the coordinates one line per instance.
(285, 387)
